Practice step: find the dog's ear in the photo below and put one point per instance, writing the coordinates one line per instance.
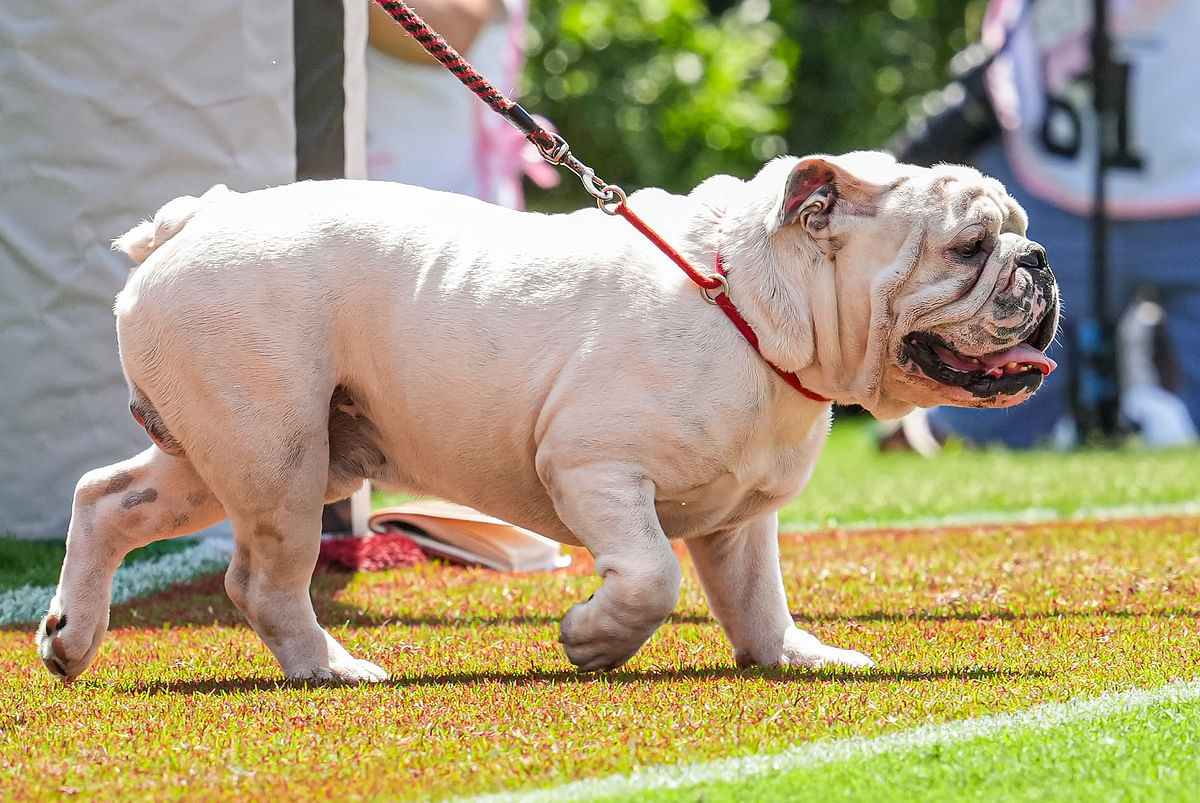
(818, 184)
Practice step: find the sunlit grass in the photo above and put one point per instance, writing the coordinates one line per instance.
(1145, 754)
(185, 701)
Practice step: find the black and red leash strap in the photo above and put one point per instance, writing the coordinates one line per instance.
(554, 149)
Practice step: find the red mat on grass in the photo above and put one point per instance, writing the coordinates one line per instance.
(357, 553)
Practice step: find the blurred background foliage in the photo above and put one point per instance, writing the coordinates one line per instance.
(668, 92)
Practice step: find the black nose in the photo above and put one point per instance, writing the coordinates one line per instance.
(1034, 259)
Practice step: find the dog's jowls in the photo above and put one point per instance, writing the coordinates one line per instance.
(555, 371)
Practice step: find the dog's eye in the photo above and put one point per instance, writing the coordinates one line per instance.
(970, 250)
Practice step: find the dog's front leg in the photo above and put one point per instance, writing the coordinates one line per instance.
(739, 570)
(610, 509)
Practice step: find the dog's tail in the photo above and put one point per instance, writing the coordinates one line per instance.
(142, 240)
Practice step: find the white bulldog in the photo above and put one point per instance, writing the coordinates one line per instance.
(556, 371)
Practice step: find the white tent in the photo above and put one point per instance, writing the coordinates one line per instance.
(107, 111)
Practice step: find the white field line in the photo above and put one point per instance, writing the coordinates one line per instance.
(28, 603)
(1027, 516)
(1040, 718)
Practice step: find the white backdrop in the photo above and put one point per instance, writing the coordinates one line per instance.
(107, 110)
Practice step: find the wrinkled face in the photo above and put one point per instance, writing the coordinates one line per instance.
(929, 291)
(972, 322)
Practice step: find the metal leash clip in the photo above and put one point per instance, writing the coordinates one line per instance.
(608, 196)
(555, 150)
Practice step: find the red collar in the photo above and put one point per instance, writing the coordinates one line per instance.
(723, 301)
(716, 282)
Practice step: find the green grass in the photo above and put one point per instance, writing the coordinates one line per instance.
(963, 622)
(185, 702)
(29, 562)
(853, 483)
(1145, 755)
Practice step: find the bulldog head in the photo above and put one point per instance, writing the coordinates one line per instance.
(940, 297)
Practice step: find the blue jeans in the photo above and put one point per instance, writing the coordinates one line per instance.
(1158, 253)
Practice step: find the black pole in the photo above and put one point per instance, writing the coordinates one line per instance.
(1096, 392)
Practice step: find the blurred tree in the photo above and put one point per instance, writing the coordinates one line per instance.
(668, 92)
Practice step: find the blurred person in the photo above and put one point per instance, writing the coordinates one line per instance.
(1149, 378)
(1036, 81)
(424, 127)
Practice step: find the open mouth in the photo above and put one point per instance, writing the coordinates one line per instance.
(1017, 369)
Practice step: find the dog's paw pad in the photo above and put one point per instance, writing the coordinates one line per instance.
(53, 625)
(50, 646)
(597, 655)
(592, 644)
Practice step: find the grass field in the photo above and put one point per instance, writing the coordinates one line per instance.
(1018, 660)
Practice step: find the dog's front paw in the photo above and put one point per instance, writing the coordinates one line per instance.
(801, 648)
(336, 665)
(68, 645)
(592, 648)
(348, 670)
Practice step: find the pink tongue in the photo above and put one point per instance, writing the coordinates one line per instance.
(1023, 354)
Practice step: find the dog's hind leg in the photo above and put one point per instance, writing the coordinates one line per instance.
(268, 580)
(273, 484)
(610, 509)
(117, 509)
(740, 573)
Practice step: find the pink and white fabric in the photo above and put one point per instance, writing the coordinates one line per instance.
(425, 128)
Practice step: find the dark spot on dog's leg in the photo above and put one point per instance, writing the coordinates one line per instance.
(132, 500)
(197, 498)
(267, 531)
(119, 482)
(179, 521)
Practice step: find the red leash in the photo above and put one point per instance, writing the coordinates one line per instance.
(554, 149)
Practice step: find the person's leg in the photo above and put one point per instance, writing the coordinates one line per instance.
(1160, 254)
